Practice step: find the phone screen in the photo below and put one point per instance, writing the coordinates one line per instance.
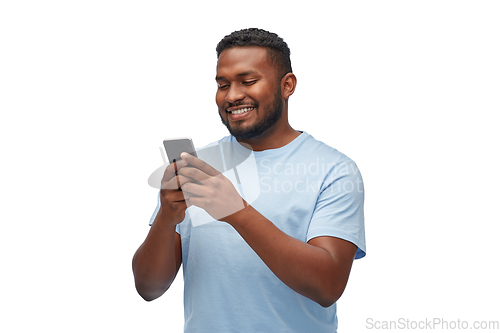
(174, 148)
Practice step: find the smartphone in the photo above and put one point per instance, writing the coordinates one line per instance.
(174, 148)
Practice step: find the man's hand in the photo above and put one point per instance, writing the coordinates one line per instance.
(205, 187)
(173, 204)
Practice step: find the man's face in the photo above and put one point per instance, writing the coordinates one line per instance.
(249, 93)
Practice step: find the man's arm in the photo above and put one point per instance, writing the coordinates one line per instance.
(317, 270)
(157, 261)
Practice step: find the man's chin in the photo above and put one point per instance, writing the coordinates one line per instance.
(242, 135)
(243, 131)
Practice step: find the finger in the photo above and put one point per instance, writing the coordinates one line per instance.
(173, 196)
(172, 169)
(194, 201)
(193, 173)
(193, 190)
(175, 183)
(188, 195)
(199, 164)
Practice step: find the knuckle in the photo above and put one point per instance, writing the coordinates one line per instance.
(186, 172)
(166, 186)
(215, 183)
(212, 192)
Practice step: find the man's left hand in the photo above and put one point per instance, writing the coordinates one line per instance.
(209, 189)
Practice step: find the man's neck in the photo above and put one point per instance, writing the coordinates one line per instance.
(272, 139)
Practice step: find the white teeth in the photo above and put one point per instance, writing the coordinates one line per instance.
(240, 111)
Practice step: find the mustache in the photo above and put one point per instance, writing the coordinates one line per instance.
(232, 105)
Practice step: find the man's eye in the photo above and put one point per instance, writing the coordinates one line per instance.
(223, 86)
(249, 83)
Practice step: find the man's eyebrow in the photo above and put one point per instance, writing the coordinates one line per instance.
(246, 73)
(218, 78)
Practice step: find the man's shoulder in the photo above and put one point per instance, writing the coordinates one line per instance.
(318, 149)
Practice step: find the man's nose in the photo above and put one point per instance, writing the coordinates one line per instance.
(234, 94)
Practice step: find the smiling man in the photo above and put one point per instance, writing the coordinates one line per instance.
(250, 98)
(280, 262)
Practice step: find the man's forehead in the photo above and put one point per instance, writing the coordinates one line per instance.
(243, 59)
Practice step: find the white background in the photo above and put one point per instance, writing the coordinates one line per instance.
(89, 89)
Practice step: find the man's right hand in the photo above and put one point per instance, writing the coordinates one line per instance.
(173, 204)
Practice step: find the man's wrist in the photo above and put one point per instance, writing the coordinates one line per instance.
(166, 219)
(241, 216)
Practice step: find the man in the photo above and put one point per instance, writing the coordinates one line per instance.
(280, 262)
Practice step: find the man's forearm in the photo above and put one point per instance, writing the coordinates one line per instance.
(311, 271)
(156, 262)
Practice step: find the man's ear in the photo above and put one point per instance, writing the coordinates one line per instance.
(288, 84)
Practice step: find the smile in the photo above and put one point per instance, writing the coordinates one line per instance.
(240, 111)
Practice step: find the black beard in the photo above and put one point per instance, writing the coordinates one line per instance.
(276, 111)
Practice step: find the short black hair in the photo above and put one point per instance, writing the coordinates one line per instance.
(277, 49)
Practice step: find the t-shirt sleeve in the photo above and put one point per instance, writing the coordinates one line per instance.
(151, 220)
(339, 209)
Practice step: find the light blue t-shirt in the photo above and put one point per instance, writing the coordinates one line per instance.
(307, 189)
